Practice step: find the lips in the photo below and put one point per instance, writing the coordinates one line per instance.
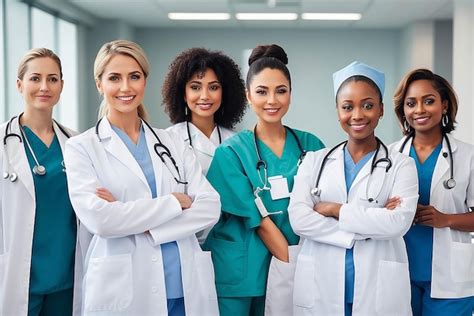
(271, 111)
(125, 98)
(358, 127)
(421, 120)
(204, 106)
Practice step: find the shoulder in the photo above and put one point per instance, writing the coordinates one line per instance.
(82, 138)
(226, 132)
(177, 128)
(239, 140)
(463, 146)
(308, 140)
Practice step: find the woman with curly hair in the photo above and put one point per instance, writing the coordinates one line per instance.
(204, 96)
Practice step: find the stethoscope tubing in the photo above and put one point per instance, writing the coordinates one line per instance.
(190, 139)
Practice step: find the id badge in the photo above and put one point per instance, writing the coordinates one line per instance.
(279, 187)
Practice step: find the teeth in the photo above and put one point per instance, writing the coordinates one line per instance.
(271, 110)
(205, 106)
(129, 98)
(421, 119)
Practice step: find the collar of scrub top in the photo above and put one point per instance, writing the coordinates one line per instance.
(13, 131)
(375, 165)
(190, 139)
(162, 151)
(447, 150)
(262, 163)
(358, 69)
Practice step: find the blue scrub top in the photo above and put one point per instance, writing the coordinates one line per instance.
(54, 237)
(170, 251)
(419, 239)
(351, 170)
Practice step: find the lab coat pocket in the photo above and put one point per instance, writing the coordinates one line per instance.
(230, 260)
(108, 283)
(305, 291)
(281, 276)
(462, 262)
(392, 289)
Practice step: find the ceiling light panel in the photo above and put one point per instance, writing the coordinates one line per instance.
(266, 16)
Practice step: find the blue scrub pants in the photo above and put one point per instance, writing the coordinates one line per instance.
(176, 306)
(242, 306)
(423, 305)
(54, 304)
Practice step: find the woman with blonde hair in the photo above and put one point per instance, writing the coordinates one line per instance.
(37, 222)
(144, 198)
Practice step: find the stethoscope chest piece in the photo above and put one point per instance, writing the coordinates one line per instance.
(39, 170)
(449, 183)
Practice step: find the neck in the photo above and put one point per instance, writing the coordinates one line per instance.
(429, 138)
(204, 124)
(40, 122)
(358, 148)
(127, 122)
(270, 131)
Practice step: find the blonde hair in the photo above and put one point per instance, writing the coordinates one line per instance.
(37, 53)
(120, 47)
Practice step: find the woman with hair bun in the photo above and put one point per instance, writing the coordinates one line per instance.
(253, 173)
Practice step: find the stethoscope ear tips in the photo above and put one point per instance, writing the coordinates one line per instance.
(5, 175)
(13, 176)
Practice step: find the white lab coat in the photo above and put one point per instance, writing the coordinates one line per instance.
(382, 285)
(203, 146)
(453, 251)
(123, 266)
(17, 220)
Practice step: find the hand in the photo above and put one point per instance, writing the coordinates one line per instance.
(183, 199)
(105, 194)
(429, 216)
(328, 209)
(392, 203)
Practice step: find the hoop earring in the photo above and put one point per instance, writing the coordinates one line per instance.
(445, 120)
(406, 127)
(185, 111)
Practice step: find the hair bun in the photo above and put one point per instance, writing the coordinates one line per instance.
(272, 50)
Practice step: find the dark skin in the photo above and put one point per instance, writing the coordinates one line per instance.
(421, 101)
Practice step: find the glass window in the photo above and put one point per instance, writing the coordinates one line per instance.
(42, 29)
(68, 109)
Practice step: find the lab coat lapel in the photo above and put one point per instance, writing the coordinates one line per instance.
(336, 166)
(441, 171)
(19, 161)
(60, 135)
(201, 142)
(115, 146)
(364, 172)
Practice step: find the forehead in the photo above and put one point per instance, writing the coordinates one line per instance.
(421, 87)
(42, 65)
(357, 89)
(269, 77)
(207, 75)
(122, 64)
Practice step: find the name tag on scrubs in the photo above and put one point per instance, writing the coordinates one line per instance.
(279, 187)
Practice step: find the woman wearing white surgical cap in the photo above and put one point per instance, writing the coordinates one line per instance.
(352, 204)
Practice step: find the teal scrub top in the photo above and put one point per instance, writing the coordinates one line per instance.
(54, 237)
(240, 258)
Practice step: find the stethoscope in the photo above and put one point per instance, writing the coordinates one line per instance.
(191, 141)
(262, 163)
(448, 183)
(316, 191)
(160, 149)
(38, 169)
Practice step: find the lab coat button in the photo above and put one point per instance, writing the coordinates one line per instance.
(154, 258)
(154, 289)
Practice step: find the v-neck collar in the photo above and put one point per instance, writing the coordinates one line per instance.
(36, 142)
(267, 149)
(434, 152)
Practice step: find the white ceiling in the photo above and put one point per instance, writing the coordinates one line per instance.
(375, 13)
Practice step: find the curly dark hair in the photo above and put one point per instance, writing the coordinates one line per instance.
(197, 60)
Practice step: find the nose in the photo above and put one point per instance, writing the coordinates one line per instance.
(125, 86)
(419, 107)
(271, 98)
(204, 94)
(357, 113)
(44, 85)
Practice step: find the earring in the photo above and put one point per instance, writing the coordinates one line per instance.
(445, 120)
(406, 126)
(185, 111)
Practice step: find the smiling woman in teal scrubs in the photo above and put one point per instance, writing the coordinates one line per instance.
(246, 236)
(37, 221)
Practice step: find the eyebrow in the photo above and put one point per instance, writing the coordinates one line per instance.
(119, 74)
(38, 74)
(277, 87)
(363, 99)
(423, 97)
(200, 82)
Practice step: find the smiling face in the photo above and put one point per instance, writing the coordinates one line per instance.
(423, 107)
(359, 109)
(203, 94)
(122, 84)
(269, 95)
(41, 84)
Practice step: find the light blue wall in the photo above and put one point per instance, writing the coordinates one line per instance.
(313, 57)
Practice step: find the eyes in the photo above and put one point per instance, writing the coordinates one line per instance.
(52, 79)
(116, 78)
(212, 87)
(264, 92)
(365, 106)
(411, 103)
